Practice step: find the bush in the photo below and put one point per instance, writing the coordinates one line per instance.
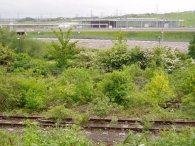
(59, 113)
(102, 107)
(141, 58)
(86, 58)
(167, 58)
(116, 86)
(22, 62)
(32, 93)
(192, 50)
(9, 95)
(8, 39)
(184, 82)
(158, 90)
(120, 56)
(115, 58)
(7, 56)
(35, 48)
(20, 92)
(74, 86)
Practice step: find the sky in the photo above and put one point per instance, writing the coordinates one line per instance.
(87, 8)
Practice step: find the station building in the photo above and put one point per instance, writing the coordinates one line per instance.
(129, 23)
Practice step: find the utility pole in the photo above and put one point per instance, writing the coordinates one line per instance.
(157, 9)
(91, 13)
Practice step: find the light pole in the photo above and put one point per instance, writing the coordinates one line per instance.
(162, 35)
(162, 32)
(38, 34)
(159, 40)
(19, 45)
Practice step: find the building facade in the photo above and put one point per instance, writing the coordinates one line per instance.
(130, 23)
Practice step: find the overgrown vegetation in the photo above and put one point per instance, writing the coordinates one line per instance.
(33, 135)
(73, 77)
(168, 138)
(57, 136)
(66, 80)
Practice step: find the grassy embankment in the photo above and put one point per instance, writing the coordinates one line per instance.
(188, 17)
(168, 36)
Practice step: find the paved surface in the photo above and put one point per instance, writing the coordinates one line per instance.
(102, 44)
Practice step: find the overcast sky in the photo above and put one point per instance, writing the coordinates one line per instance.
(72, 8)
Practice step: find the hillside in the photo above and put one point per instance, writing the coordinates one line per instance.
(188, 17)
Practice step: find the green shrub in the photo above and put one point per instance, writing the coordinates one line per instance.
(82, 84)
(74, 86)
(167, 58)
(115, 58)
(34, 99)
(102, 107)
(86, 58)
(7, 56)
(35, 48)
(59, 113)
(39, 68)
(32, 92)
(22, 62)
(183, 81)
(8, 39)
(116, 86)
(139, 76)
(158, 90)
(189, 100)
(9, 95)
(33, 67)
(120, 56)
(141, 58)
(20, 92)
(120, 38)
(191, 48)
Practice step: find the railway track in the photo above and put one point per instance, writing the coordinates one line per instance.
(133, 124)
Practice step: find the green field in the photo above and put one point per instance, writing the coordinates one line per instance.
(168, 36)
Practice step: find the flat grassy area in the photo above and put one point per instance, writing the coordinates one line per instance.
(168, 36)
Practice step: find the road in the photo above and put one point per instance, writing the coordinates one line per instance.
(102, 44)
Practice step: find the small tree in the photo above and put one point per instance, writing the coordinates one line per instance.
(158, 89)
(64, 50)
(121, 38)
